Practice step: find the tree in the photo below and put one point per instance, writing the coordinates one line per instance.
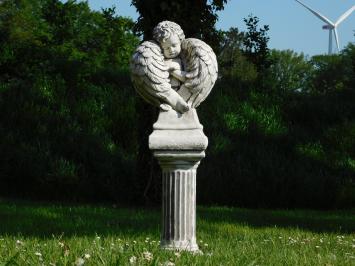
(60, 88)
(255, 43)
(289, 71)
(233, 64)
(348, 55)
(197, 18)
(330, 73)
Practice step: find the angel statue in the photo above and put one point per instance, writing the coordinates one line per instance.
(172, 72)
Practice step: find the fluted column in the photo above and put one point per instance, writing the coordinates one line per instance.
(179, 199)
(179, 145)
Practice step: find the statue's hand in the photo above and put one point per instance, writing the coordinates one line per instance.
(173, 64)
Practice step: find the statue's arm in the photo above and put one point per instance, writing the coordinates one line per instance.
(175, 70)
(179, 74)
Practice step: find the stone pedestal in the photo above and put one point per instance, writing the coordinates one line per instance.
(178, 143)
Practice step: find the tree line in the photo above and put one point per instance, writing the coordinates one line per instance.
(281, 125)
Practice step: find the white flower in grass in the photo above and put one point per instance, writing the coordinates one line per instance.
(169, 263)
(87, 256)
(66, 252)
(206, 245)
(61, 244)
(79, 262)
(133, 260)
(147, 255)
(19, 242)
(317, 246)
(38, 254)
(177, 254)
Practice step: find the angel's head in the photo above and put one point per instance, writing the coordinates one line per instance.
(169, 35)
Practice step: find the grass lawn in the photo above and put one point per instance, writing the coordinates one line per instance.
(47, 234)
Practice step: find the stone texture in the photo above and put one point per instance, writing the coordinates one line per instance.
(177, 121)
(179, 201)
(175, 131)
(179, 144)
(173, 72)
(176, 75)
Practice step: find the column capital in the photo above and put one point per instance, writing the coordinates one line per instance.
(178, 132)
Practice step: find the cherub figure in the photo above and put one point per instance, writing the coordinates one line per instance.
(173, 72)
(169, 35)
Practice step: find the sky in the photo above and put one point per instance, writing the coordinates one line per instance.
(291, 25)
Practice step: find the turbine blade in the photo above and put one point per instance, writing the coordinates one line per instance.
(344, 16)
(319, 15)
(336, 38)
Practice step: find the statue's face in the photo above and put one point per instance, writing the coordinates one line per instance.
(171, 46)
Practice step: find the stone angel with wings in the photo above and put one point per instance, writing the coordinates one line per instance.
(172, 72)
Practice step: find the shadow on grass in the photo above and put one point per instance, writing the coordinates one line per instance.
(315, 221)
(45, 220)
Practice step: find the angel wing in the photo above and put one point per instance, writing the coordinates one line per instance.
(200, 63)
(150, 78)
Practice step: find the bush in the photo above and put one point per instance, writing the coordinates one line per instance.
(66, 103)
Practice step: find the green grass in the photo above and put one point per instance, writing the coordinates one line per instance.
(46, 234)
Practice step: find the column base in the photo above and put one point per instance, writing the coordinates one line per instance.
(180, 245)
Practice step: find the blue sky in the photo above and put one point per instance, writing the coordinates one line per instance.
(291, 25)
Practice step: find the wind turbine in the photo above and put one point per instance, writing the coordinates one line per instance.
(332, 27)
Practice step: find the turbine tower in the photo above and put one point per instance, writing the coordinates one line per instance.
(332, 27)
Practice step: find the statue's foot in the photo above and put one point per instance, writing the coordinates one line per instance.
(176, 102)
(165, 107)
(182, 106)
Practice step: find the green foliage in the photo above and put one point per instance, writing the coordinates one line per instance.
(232, 62)
(255, 113)
(327, 73)
(244, 57)
(289, 71)
(281, 126)
(63, 74)
(269, 147)
(255, 43)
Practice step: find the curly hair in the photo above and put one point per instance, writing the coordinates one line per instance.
(165, 29)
